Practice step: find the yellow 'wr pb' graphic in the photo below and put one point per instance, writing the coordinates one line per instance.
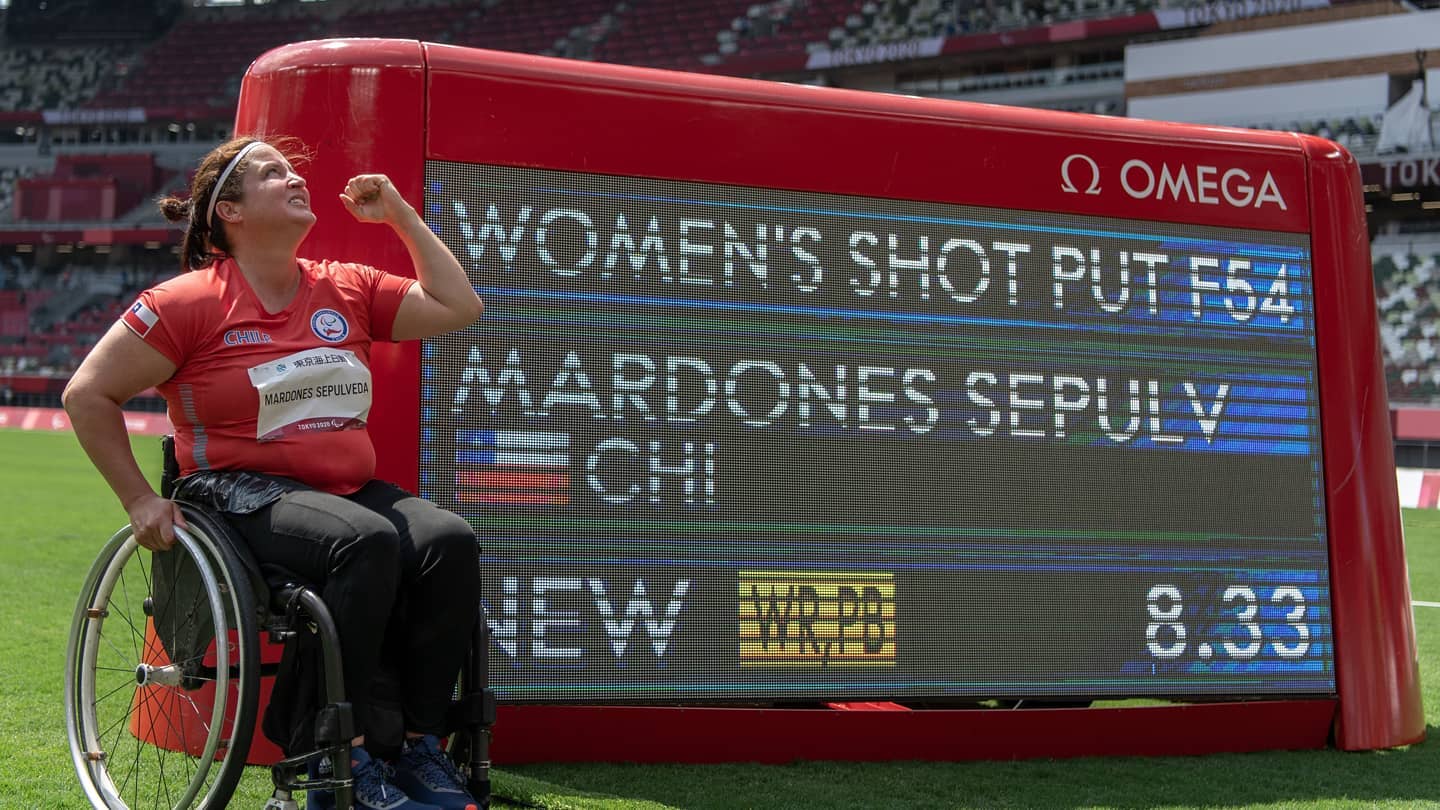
(817, 619)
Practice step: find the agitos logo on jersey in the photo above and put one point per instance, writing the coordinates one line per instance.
(329, 325)
(140, 318)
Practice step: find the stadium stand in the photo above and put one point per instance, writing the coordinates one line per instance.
(1359, 134)
(430, 23)
(526, 27)
(1091, 88)
(9, 177)
(780, 27)
(901, 20)
(54, 77)
(88, 187)
(198, 63)
(49, 318)
(1407, 269)
(72, 21)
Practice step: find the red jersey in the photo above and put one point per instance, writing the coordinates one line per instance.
(284, 393)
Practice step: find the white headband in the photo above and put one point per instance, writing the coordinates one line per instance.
(225, 175)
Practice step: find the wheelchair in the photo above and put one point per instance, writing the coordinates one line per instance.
(163, 675)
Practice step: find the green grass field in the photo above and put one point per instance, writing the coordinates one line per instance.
(56, 512)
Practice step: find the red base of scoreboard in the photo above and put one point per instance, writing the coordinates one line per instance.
(525, 734)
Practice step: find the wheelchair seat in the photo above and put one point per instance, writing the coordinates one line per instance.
(163, 673)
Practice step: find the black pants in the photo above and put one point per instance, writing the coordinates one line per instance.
(401, 577)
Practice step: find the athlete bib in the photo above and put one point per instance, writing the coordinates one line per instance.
(314, 390)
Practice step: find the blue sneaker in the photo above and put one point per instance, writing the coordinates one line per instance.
(425, 772)
(374, 789)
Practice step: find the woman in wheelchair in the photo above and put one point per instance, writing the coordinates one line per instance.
(263, 360)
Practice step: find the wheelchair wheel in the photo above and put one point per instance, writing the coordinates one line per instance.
(141, 662)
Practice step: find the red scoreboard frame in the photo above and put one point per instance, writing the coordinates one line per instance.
(391, 105)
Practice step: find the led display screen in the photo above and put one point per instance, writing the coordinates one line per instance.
(733, 444)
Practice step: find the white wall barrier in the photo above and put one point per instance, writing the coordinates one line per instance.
(143, 424)
(1418, 488)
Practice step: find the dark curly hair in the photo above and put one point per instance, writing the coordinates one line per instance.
(204, 243)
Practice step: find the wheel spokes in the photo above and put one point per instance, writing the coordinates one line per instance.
(123, 691)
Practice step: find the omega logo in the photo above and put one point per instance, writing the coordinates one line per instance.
(1067, 184)
(1204, 185)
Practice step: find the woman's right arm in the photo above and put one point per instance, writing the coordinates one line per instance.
(120, 366)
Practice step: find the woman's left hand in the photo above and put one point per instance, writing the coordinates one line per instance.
(373, 198)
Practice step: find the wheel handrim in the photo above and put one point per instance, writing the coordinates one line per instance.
(105, 697)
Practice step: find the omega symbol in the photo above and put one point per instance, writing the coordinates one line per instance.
(1068, 185)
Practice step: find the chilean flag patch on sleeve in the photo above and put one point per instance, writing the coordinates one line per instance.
(140, 318)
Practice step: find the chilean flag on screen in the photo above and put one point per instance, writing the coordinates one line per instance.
(140, 319)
